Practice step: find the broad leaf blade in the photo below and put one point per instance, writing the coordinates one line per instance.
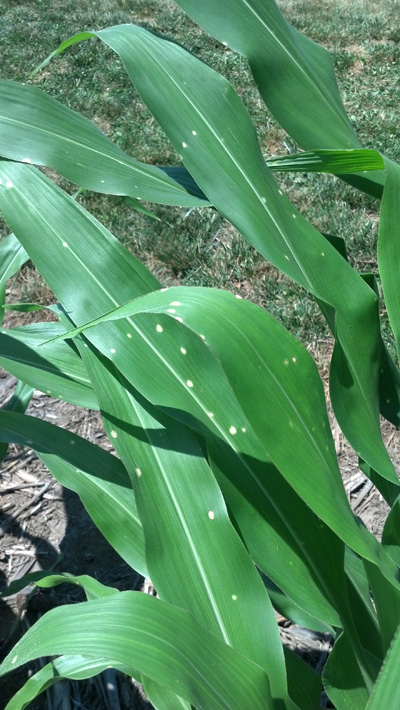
(274, 362)
(215, 130)
(290, 71)
(214, 577)
(156, 638)
(35, 128)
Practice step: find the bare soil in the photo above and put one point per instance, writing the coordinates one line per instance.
(45, 527)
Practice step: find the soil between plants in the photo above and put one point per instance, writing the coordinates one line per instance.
(45, 526)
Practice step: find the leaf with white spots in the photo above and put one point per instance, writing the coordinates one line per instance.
(224, 158)
(112, 277)
(33, 123)
(170, 476)
(293, 429)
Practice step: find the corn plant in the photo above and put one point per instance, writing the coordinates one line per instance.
(226, 464)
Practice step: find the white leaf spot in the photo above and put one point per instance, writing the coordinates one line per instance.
(203, 337)
(184, 145)
(183, 351)
(175, 303)
(26, 160)
(194, 133)
(293, 215)
(322, 253)
(210, 414)
(159, 328)
(128, 335)
(9, 183)
(189, 383)
(14, 660)
(225, 44)
(239, 297)
(48, 392)
(232, 430)
(65, 244)
(114, 434)
(178, 318)
(138, 472)
(211, 515)
(286, 362)
(291, 425)
(112, 350)
(280, 192)
(234, 597)
(171, 310)
(264, 200)
(243, 429)
(102, 181)
(162, 290)
(72, 442)
(286, 257)
(294, 359)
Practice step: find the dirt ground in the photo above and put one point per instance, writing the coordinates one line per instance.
(44, 526)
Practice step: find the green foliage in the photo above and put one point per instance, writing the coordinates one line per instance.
(217, 413)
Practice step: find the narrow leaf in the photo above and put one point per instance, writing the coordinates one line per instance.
(57, 370)
(97, 477)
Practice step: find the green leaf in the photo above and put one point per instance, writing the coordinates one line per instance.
(35, 128)
(19, 402)
(214, 577)
(304, 683)
(92, 587)
(24, 307)
(386, 691)
(215, 130)
(97, 477)
(290, 71)
(12, 257)
(163, 699)
(56, 370)
(71, 667)
(389, 246)
(274, 361)
(328, 161)
(156, 638)
(342, 679)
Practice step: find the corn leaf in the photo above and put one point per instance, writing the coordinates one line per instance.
(97, 477)
(200, 324)
(57, 370)
(193, 534)
(342, 678)
(219, 147)
(71, 667)
(143, 632)
(35, 128)
(289, 70)
(328, 161)
(386, 691)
